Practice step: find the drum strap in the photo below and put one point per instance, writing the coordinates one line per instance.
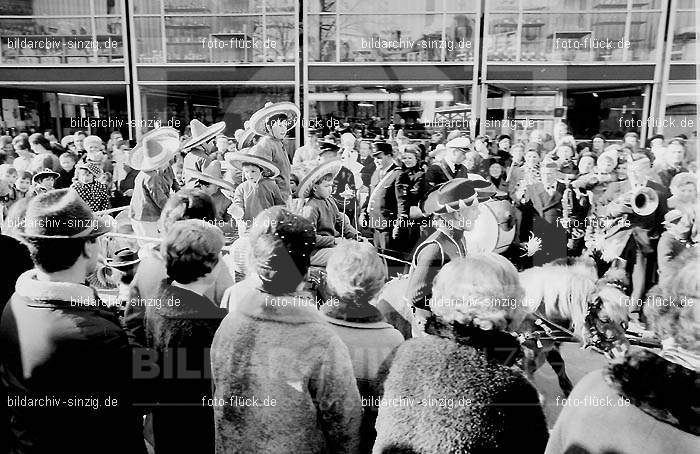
(443, 167)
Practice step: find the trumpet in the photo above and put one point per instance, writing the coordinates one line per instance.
(643, 200)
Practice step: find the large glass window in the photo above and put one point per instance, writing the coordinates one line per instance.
(417, 109)
(215, 31)
(685, 32)
(61, 32)
(391, 31)
(176, 105)
(572, 30)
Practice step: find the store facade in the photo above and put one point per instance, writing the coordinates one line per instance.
(501, 66)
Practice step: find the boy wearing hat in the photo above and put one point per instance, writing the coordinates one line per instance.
(212, 182)
(94, 193)
(43, 182)
(322, 211)
(152, 187)
(273, 122)
(199, 148)
(59, 340)
(124, 265)
(258, 192)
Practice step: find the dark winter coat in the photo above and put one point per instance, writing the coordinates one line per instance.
(62, 345)
(180, 327)
(453, 392)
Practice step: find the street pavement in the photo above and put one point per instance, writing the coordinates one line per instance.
(578, 364)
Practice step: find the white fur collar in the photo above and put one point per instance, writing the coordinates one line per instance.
(30, 287)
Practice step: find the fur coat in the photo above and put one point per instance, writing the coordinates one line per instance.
(641, 404)
(454, 391)
(293, 373)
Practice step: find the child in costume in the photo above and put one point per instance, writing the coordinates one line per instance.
(199, 148)
(258, 192)
(151, 187)
(323, 212)
(273, 122)
(212, 182)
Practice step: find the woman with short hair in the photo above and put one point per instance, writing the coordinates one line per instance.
(453, 389)
(356, 275)
(653, 395)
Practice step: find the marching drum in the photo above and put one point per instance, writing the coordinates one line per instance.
(494, 229)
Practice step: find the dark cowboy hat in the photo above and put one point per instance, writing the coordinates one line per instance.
(327, 146)
(123, 258)
(61, 214)
(332, 167)
(503, 136)
(382, 147)
(453, 195)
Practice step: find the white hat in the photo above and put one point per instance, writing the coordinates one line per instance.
(459, 142)
(259, 118)
(155, 149)
(201, 133)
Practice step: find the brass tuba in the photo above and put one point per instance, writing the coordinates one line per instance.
(644, 200)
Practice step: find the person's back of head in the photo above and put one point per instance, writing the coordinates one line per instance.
(187, 204)
(191, 250)
(280, 247)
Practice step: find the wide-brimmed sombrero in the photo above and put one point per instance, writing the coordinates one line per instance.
(155, 149)
(244, 137)
(212, 174)
(332, 167)
(259, 118)
(201, 133)
(43, 174)
(453, 195)
(238, 158)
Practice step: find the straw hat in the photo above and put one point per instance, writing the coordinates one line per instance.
(156, 148)
(332, 167)
(259, 118)
(212, 174)
(237, 159)
(201, 133)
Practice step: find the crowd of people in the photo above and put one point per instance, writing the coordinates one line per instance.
(200, 293)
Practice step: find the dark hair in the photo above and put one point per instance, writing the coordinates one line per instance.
(191, 250)
(187, 204)
(51, 256)
(39, 139)
(21, 141)
(599, 136)
(25, 175)
(273, 118)
(280, 248)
